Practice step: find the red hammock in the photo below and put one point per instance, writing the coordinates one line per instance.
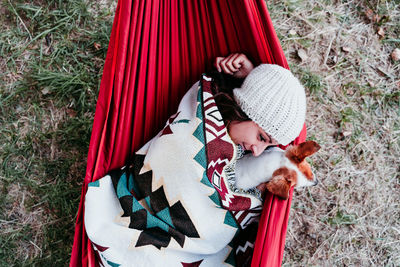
(157, 49)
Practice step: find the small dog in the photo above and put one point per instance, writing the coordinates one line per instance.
(282, 169)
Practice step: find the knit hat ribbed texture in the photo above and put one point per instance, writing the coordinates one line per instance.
(274, 99)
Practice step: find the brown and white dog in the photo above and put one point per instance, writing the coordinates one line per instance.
(282, 169)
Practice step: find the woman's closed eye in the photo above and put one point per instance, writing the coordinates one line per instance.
(264, 139)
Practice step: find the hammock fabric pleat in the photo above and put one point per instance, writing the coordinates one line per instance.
(157, 50)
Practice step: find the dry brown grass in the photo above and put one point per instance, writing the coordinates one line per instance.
(352, 217)
(19, 216)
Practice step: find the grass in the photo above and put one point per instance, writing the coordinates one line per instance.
(52, 53)
(50, 69)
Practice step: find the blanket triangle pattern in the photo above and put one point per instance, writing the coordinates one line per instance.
(199, 134)
(100, 257)
(158, 221)
(167, 129)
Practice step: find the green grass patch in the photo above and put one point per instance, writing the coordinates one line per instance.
(341, 218)
(51, 74)
(312, 82)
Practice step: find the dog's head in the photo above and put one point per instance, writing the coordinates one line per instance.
(296, 173)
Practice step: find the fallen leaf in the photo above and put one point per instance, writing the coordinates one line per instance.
(302, 54)
(71, 112)
(334, 59)
(292, 32)
(33, 46)
(381, 32)
(346, 133)
(346, 49)
(97, 46)
(395, 54)
(45, 91)
(369, 14)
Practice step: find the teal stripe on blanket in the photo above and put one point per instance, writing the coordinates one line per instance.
(215, 198)
(229, 220)
(199, 94)
(94, 184)
(205, 180)
(181, 121)
(200, 157)
(199, 112)
(113, 264)
(198, 133)
(231, 258)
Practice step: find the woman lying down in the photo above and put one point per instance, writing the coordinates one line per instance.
(177, 203)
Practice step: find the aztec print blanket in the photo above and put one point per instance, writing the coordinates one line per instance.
(176, 204)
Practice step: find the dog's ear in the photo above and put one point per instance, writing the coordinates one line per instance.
(298, 153)
(282, 180)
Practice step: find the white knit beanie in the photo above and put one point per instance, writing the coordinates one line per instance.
(274, 99)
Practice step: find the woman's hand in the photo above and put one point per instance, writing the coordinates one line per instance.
(236, 64)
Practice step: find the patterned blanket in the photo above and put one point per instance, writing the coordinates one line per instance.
(175, 204)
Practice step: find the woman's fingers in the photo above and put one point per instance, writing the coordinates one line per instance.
(217, 63)
(221, 64)
(224, 66)
(227, 65)
(234, 63)
(238, 62)
(230, 62)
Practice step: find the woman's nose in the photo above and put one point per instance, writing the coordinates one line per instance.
(255, 150)
(258, 149)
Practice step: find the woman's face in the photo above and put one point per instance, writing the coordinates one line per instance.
(250, 136)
